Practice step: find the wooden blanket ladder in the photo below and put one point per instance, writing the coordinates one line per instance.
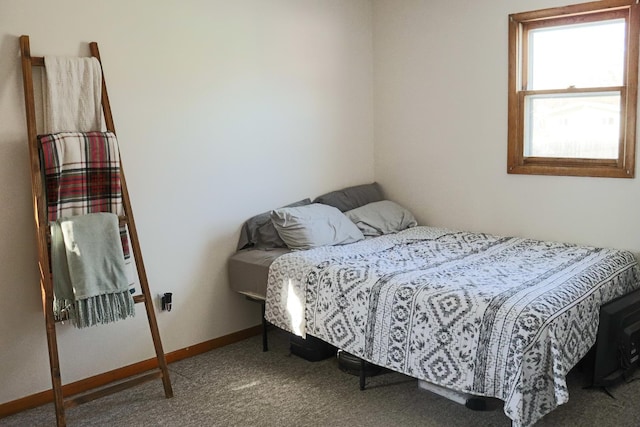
(42, 232)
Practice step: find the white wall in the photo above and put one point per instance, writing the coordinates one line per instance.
(224, 109)
(440, 85)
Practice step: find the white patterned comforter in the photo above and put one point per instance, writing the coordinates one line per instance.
(486, 315)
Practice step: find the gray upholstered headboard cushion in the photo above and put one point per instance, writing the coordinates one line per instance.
(352, 197)
(259, 232)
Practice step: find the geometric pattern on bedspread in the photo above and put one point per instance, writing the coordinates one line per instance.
(487, 315)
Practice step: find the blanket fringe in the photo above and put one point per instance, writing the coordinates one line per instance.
(100, 309)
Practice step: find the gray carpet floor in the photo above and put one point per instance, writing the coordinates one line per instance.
(239, 385)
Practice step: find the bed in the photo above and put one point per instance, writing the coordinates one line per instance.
(485, 315)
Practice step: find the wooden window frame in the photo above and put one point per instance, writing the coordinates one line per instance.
(519, 25)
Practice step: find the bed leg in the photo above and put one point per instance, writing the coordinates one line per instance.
(265, 344)
(362, 374)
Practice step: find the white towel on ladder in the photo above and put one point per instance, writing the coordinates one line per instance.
(72, 92)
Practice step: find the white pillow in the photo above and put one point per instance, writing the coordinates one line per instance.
(383, 217)
(314, 225)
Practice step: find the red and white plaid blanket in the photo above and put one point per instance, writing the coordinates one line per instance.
(82, 175)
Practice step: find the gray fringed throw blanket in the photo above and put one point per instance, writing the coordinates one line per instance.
(89, 279)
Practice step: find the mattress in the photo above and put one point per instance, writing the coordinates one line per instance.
(486, 315)
(249, 270)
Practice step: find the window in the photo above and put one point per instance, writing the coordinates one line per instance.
(573, 76)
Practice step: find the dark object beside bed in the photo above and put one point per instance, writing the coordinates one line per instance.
(618, 344)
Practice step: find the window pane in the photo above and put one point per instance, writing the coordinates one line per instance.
(581, 55)
(583, 126)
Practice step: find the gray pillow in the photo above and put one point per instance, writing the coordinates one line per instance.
(351, 197)
(314, 225)
(259, 232)
(383, 217)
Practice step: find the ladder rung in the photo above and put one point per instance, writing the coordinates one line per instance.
(88, 397)
(122, 220)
